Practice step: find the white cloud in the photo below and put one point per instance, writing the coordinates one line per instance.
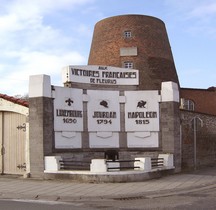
(30, 45)
(203, 16)
(205, 11)
(31, 63)
(22, 25)
(40, 62)
(194, 17)
(193, 8)
(26, 8)
(183, 4)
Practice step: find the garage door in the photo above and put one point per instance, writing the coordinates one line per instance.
(13, 143)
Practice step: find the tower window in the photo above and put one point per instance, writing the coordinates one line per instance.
(128, 65)
(127, 34)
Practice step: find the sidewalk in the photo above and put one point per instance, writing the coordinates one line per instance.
(66, 190)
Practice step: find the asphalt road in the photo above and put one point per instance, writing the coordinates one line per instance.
(202, 199)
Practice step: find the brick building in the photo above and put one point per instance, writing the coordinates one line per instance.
(199, 100)
(198, 123)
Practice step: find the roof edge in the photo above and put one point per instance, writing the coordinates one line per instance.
(15, 100)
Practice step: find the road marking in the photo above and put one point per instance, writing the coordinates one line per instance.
(44, 202)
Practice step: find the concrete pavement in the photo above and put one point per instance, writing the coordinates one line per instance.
(66, 190)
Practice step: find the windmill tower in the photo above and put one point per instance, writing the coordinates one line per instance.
(135, 41)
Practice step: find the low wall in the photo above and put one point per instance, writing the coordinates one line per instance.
(102, 170)
(111, 177)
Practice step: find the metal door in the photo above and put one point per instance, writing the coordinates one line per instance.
(13, 143)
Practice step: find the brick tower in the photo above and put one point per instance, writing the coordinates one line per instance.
(135, 41)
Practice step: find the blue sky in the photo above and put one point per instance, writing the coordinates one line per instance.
(42, 36)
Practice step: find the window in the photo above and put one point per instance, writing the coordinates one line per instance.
(127, 34)
(128, 65)
(187, 104)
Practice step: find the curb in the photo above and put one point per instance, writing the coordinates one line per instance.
(161, 193)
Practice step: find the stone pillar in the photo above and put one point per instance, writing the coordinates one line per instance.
(144, 163)
(52, 163)
(168, 160)
(40, 123)
(98, 165)
(170, 122)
